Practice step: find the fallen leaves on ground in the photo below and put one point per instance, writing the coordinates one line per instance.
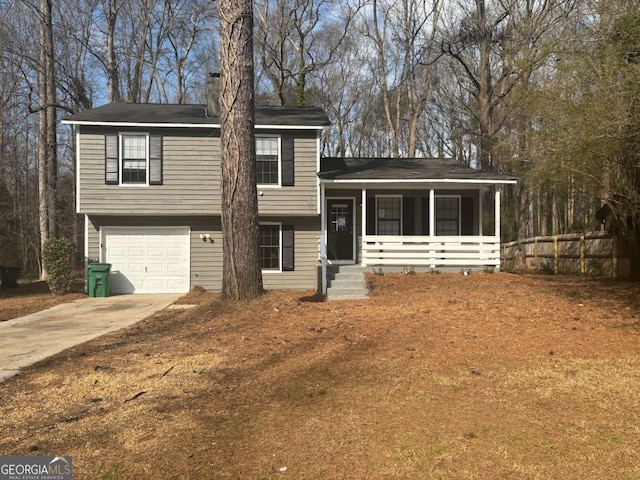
(435, 376)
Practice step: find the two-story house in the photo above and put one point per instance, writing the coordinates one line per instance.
(148, 184)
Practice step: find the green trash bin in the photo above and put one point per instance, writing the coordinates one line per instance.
(99, 279)
(9, 276)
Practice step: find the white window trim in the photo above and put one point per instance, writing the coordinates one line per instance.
(435, 212)
(388, 195)
(121, 136)
(279, 270)
(279, 184)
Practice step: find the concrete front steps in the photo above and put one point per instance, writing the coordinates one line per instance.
(346, 282)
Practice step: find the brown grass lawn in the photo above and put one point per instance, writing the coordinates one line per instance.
(486, 376)
(31, 297)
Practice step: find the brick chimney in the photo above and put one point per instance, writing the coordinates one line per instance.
(213, 95)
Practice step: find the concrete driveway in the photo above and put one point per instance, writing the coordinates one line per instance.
(29, 339)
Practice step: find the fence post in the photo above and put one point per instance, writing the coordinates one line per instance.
(555, 254)
(582, 263)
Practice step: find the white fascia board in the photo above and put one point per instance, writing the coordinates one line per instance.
(145, 125)
(290, 127)
(183, 125)
(417, 180)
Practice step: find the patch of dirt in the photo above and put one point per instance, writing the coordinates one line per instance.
(29, 298)
(196, 296)
(435, 376)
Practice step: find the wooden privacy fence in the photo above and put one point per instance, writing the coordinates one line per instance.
(592, 253)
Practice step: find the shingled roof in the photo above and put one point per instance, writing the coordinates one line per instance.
(402, 169)
(196, 115)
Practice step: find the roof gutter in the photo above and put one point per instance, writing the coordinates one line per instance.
(333, 181)
(211, 126)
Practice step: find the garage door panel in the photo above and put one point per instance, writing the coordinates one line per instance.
(156, 284)
(156, 251)
(133, 268)
(175, 252)
(175, 269)
(154, 268)
(148, 260)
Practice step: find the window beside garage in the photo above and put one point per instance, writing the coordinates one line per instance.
(276, 247)
(270, 247)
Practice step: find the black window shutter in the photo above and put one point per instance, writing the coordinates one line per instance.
(408, 216)
(466, 216)
(287, 161)
(287, 248)
(155, 160)
(111, 160)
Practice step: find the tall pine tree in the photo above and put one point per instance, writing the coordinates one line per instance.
(242, 277)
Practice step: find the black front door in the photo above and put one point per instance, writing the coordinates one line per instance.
(340, 229)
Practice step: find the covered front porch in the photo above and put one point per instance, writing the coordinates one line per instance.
(419, 228)
(409, 213)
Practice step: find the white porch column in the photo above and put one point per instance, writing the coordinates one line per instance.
(323, 238)
(480, 195)
(363, 220)
(432, 218)
(497, 214)
(432, 212)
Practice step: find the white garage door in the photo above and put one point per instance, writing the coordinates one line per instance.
(147, 260)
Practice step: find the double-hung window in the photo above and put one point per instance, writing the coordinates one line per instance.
(268, 160)
(448, 216)
(270, 247)
(275, 161)
(133, 159)
(388, 215)
(276, 247)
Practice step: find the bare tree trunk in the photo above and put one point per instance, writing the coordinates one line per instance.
(386, 95)
(242, 277)
(113, 80)
(47, 156)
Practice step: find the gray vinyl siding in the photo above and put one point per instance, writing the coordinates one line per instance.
(302, 197)
(191, 177)
(304, 276)
(206, 255)
(93, 241)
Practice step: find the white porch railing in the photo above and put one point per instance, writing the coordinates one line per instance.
(426, 251)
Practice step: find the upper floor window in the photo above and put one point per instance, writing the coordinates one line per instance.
(274, 160)
(133, 159)
(267, 160)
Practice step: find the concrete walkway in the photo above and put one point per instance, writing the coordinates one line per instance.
(29, 339)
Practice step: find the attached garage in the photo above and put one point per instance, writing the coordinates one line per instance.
(147, 259)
